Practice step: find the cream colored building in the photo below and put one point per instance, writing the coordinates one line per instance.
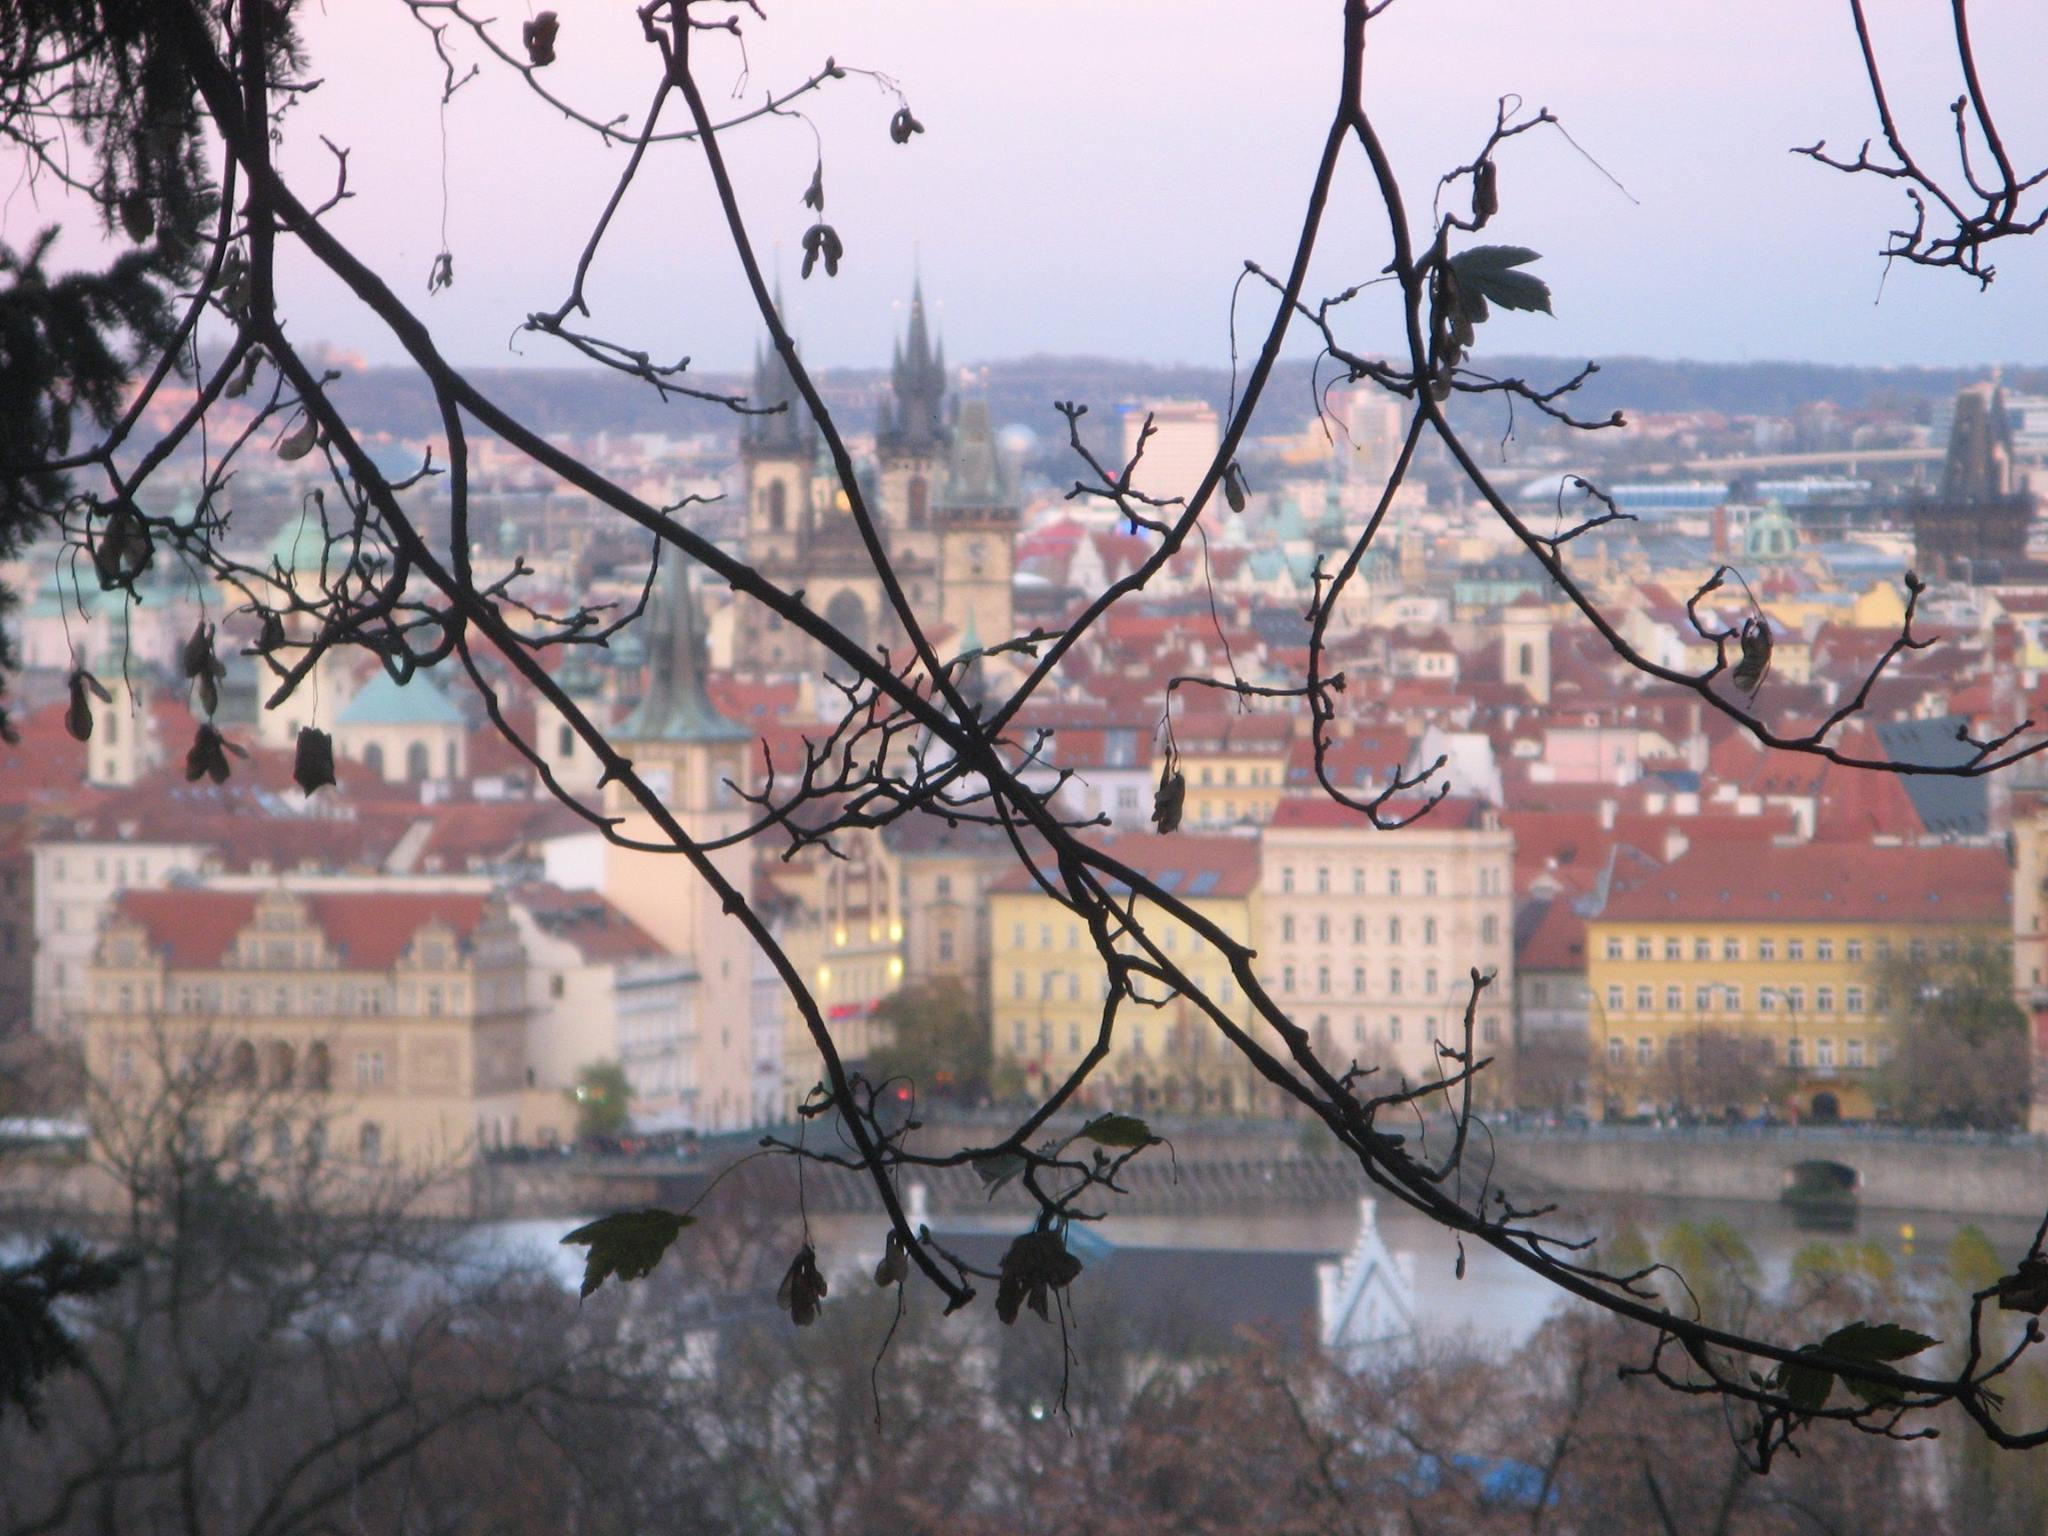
(841, 922)
(1185, 436)
(602, 990)
(2030, 944)
(388, 1028)
(1368, 938)
(405, 734)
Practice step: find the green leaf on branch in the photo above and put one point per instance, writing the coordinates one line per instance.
(1807, 1385)
(1877, 1343)
(1114, 1130)
(628, 1244)
(997, 1171)
(1487, 274)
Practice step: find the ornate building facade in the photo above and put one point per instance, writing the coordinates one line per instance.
(943, 505)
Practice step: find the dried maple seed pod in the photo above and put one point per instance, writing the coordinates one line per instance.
(538, 38)
(1170, 799)
(1756, 655)
(802, 1289)
(1234, 487)
(78, 715)
(313, 763)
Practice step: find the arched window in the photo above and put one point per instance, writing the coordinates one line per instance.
(281, 1139)
(319, 1069)
(373, 759)
(280, 1061)
(920, 500)
(370, 1144)
(849, 615)
(778, 507)
(1528, 659)
(416, 766)
(242, 1065)
(565, 741)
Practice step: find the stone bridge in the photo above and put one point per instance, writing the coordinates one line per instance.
(1973, 1175)
(1968, 1175)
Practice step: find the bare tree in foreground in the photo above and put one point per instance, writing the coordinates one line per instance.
(130, 105)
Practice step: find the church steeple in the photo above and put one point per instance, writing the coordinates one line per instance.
(974, 468)
(914, 420)
(789, 432)
(675, 706)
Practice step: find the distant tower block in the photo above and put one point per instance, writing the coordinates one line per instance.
(977, 518)
(1975, 527)
(1185, 436)
(1525, 646)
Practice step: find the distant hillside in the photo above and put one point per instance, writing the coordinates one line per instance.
(567, 402)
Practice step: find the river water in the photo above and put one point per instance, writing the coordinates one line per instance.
(1497, 1303)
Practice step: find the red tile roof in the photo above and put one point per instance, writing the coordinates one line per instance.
(599, 930)
(1555, 939)
(1823, 882)
(196, 929)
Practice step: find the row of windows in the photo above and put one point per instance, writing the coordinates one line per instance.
(1294, 981)
(100, 867)
(1134, 1037)
(1489, 932)
(240, 1142)
(862, 981)
(1068, 984)
(1168, 937)
(276, 1065)
(1227, 775)
(209, 999)
(1703, 947)
(1489, 929)
(1853, 1055)
(1728, 999)
(1492, 880)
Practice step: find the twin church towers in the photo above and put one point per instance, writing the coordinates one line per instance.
(946, 510)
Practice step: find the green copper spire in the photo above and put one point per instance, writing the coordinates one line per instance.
(675, 706)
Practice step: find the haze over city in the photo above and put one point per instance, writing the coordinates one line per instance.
(1005, 903)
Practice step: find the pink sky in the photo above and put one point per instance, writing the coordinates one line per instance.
(1095, 173)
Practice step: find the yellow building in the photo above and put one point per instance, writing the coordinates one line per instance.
(1759, 966)
(1235, 765)
(380, 1027)
(1047, 982)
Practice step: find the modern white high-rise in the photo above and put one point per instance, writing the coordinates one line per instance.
(1185, 435)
